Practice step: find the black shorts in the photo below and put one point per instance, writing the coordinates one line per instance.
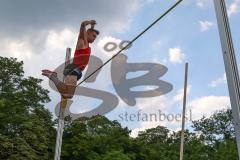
(72, 69)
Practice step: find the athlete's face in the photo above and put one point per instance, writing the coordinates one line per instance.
(91, 36)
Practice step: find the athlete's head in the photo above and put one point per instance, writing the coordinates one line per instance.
(92, 35)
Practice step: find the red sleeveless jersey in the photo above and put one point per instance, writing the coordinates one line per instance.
(81, 57)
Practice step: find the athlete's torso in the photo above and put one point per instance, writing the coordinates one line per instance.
(81, 57)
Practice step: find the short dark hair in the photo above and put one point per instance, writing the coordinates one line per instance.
(93, 30)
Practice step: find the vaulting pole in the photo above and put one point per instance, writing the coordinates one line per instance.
(184, 111)
(230, 65)
(61, 116)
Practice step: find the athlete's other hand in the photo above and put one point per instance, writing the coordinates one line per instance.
(93, 23)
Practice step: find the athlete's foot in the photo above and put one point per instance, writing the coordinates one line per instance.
(48, 73)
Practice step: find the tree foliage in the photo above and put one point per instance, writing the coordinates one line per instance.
(26, 127)
(27, 130)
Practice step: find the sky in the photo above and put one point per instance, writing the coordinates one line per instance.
(38, 33)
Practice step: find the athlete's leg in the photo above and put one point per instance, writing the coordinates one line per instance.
(66, 90)
(73, 74)
(71, 83)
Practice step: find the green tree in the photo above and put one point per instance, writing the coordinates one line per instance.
(94, 139)
(217, 132)
(115, 155)
(194, 148)
(157, 142)
(26, 127)
(27, 131)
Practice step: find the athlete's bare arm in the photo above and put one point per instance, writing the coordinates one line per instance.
(82, 37)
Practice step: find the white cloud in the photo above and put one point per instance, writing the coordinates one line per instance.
(134, 132)
(110, 43)
(179, 96)
(153, 105)
(176, 55)
(51, 56)
(218, 81)
(205, 25)
(105, 13)
(16, 48)
(233, 8)
(160, 102)
(25, 42)
(205, 106)
(42, 43)
(157, 44)
(63, 38)
(202, 3)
